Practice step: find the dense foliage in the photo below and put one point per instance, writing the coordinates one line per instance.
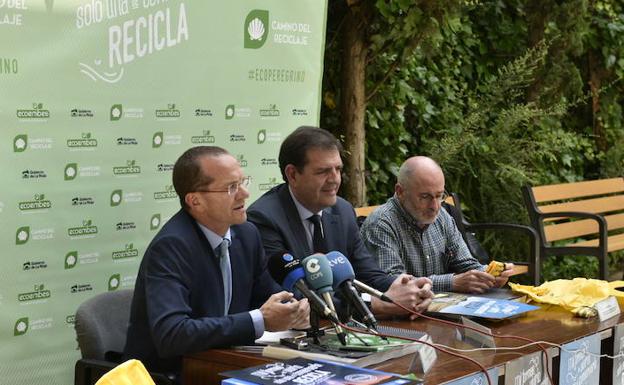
(502, 94)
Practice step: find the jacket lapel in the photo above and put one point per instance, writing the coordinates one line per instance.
(295, 227)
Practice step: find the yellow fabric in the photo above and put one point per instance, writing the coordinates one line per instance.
(572, 293)
(131, 372)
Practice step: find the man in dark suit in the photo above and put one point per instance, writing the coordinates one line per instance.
(203, 282)
(311, 166)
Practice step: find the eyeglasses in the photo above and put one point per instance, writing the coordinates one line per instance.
(428, 198)
(232, 189)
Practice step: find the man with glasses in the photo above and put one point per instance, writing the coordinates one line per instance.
(203, 281)
(409, 233)
(304, 216)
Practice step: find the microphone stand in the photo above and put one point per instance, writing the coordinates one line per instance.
(315, 332)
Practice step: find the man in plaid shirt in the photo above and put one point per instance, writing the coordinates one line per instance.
(410, 234)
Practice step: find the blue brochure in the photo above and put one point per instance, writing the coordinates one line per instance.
(454, 304)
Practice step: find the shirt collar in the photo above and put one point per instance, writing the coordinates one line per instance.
(213, 238)
(406, 215)
(303, 212)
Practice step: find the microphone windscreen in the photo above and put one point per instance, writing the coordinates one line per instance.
(318, 273)
(285, 270)
(341, 268)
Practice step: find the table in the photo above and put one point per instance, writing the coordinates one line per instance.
(549, 323)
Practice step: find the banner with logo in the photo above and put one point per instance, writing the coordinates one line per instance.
(98, 98)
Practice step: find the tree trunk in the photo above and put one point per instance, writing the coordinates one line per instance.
(353, 102)
(596, 75)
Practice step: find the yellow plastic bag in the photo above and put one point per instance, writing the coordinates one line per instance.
(572, 294)
(131, 372)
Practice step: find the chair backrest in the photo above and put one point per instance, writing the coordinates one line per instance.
(102, 323)
(452, 205)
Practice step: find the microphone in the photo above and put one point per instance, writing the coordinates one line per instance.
(319, 275)
(374, 292)
(287, 271)
(343, 281)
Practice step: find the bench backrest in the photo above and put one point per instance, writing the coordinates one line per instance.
(604, 197)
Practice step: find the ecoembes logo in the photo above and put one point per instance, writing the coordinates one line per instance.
(256, 28)
(241, 160)
(130, 168)
(84, 142)
(36, 112)
(272, 182)
(170, 113)
(38, 203)
(203, 139)
(40, 293)
(166, 194)
(86, 230)
(270, 112)
(128, 252)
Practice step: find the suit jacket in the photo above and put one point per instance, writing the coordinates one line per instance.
(177, 306)
(278, 221)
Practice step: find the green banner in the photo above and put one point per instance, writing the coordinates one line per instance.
(97, 100)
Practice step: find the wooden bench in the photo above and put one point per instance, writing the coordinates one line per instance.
(467, 230)
(580, 218)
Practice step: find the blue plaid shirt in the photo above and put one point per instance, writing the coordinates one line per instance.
(400, 246)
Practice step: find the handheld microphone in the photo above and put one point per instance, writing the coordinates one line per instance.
(287, 271)
(343, 281)
(319, 275)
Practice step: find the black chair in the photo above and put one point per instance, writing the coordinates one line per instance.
(101, 326)
(467, 229)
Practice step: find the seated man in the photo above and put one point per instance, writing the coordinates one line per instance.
(410, 233)
(203, 281)
(305, 215)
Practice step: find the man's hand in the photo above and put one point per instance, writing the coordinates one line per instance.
(501, 280)
(413, 293)
(473, 281)
(282, 312)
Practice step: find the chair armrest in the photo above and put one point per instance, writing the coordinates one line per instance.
(533, 260)
(87, 371)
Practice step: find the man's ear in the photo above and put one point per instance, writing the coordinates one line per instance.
(291, 173)
(398, 190)
(191, 200)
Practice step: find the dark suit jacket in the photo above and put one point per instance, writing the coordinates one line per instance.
(178, 296)
(278, 221)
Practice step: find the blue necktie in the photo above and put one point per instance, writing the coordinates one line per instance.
(226, 272)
